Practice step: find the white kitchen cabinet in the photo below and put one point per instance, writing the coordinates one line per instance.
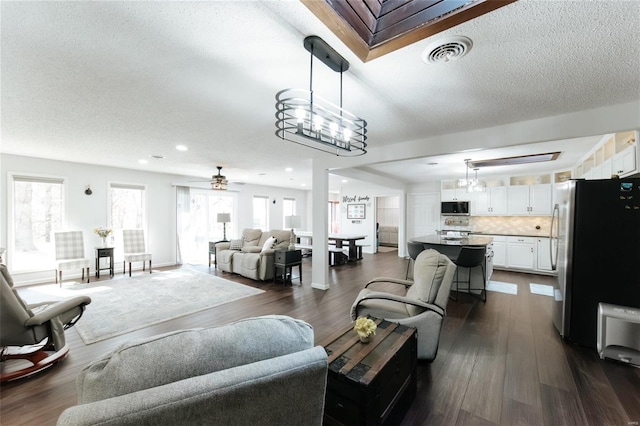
(499, 250)
(624, 162)
(543, 248)
(521, 252)
(529, 199)
(493, 201)
(456, 194)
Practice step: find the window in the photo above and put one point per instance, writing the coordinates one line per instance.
(127, 206)
(36, 211)
(261, 212)
(333, 215)
(288, 209)
(127, 210)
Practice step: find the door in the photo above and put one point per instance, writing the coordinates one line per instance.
(423, 214)
(563, 247)
(543, 259)
(498, 198)
(540, 199)
(518, 202)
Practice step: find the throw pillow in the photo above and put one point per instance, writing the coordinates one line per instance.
(235, 244)
(271, 241)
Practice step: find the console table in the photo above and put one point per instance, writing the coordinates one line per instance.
(104, 252)
(371, 383)
(285, 260)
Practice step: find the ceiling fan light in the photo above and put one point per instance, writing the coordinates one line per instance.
(219, 182)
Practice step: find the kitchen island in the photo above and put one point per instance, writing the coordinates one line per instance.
(450, 247)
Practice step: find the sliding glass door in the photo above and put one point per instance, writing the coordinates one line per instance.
(197, 222)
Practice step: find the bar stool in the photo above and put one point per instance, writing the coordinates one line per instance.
(414, 250)
(471, 257)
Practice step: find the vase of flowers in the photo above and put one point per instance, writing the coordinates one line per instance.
(365, 327)
(103, 233)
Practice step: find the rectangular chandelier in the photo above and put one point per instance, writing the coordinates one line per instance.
(307, 119)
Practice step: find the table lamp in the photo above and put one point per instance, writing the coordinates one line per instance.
(292, 222)
(223, 218)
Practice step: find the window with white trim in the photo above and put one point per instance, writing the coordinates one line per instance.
(127, 206)
(36, 210)
(288, 209)
(261, 212)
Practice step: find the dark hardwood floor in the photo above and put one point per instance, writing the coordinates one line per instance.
(498, 363)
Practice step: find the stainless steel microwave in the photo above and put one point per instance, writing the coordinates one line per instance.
(454, 208)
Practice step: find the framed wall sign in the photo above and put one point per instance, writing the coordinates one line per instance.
(355, 211)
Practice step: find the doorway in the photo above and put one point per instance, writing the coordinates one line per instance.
(197, 223)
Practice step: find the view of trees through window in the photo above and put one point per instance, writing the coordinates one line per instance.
(127, 211)
(127, 207)
(37, 212)
(199, 224)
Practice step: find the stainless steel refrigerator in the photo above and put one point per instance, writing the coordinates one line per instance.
(595, 248)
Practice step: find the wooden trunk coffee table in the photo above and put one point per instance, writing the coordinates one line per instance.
(371, 383)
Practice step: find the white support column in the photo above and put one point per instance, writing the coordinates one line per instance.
(320, 201)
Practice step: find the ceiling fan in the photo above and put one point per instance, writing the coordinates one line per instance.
(218, 182)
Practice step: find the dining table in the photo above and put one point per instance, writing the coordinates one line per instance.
(341, 240)
(350, 240)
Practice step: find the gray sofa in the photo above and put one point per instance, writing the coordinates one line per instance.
(251, 260)
(258, 371)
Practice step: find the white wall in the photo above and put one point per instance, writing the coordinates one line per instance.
(367, 226)
(88, 212)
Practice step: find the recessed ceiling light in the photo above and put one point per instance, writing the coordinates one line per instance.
(142, 161)
(303, 184)
(288, 169)
(181, 148)
(344, 181)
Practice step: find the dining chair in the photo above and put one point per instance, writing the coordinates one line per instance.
(69, 252)
(134, 249)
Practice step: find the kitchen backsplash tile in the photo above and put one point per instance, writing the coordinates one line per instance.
(511, 225)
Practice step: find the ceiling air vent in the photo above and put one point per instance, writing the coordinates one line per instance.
(447, 49)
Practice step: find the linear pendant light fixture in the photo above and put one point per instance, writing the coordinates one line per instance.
(306, 119)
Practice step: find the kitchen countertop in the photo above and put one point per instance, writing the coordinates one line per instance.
(511, 235)
(443, 240)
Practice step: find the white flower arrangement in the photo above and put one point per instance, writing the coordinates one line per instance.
(365, 327)
(102, 232)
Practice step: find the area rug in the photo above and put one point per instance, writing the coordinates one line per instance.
(543, 289)
(121, 306)
(501, 287)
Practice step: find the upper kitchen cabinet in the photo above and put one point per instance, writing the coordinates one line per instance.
(528, 198)
(615, 155)
(493, 201)
(449, 192)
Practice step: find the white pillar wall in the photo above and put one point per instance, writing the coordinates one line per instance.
(320, 200)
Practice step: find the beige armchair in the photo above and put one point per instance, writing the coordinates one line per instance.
(32, 336)
(422, 306)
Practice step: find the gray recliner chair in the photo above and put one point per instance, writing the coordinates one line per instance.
(423, 306)
(40, 325)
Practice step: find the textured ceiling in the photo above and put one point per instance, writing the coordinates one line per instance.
(112, 82)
